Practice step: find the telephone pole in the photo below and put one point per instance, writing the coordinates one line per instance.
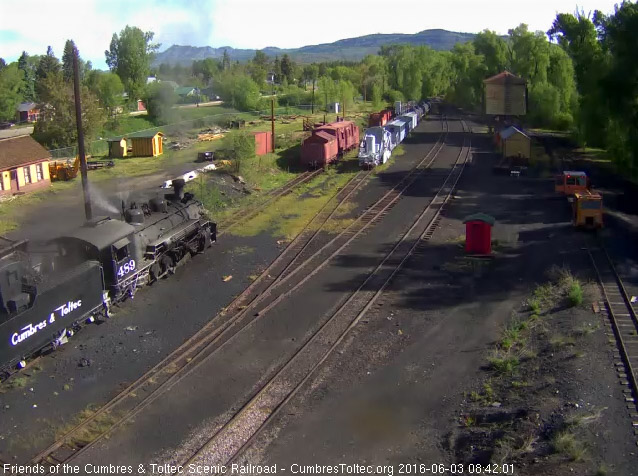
(272, 122)
(78, 122)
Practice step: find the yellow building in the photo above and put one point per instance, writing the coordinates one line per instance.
(118, 147)
(515, 143)
(505, 95)
(24, 165)
(147, 144)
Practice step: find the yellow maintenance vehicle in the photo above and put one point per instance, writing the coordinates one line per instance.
(64, 169)
(587, 210)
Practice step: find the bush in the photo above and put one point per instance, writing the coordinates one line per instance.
(239, 145)
(563, 121)
(575, 294)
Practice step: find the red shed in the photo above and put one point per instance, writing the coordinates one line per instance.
(263, 142)
(478, 234)
(319, 149)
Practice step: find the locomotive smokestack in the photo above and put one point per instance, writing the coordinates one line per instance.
(178, 188)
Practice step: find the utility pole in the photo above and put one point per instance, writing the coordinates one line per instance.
(313, 96)
(78, 121)
(344, 107)
(272, 121)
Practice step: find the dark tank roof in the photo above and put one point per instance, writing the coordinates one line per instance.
(101, 232)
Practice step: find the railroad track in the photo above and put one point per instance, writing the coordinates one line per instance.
(228, 443)
(237, 316)
(624, 324)
(243, 215)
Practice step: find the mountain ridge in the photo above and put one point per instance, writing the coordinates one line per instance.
(347, 49)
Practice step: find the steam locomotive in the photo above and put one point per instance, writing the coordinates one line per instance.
(49, 290)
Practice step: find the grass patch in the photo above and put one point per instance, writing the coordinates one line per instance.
(559, 341)
(287, 216)
(567, 444)
(87, 434)
(242, 250)
(503, 364)
(13, 383)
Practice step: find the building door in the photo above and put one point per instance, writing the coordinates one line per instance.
(14, 180)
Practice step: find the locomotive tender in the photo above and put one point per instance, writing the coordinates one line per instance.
(47, 291)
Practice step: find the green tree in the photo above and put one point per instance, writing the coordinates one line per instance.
(130, 55)
(469, 71)
(58, 127)
(376, 97)
(225, 61)
(258, 68)
(3, 64)
(238, 90)
(578, 36)
(239, 145)
(67, 60)
(287, 69)
(210, 68)
(27, 89)
(47, 65)
(529, 54)
(108, 88)
(620, 84)
(11, 83)
(159, 99)
(494, 50)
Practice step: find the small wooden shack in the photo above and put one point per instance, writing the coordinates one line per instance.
(118, 147)
(515, 143)
(505, 95)
(147, 144)
(24, 165)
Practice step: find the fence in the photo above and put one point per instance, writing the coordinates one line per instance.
(100, 147)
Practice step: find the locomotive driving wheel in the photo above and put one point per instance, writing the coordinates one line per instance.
(154, 272)
(167, 265)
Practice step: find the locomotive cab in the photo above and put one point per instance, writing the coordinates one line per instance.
(17, 291)
(108, 241)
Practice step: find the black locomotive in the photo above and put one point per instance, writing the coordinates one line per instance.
(49, 290)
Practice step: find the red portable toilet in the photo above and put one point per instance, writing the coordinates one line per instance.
(478, 234)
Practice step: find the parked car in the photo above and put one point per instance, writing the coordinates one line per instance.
(6, 125)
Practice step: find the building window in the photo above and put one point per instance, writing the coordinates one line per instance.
(27, 174)
(38, 171)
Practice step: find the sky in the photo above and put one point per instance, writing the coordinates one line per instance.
(32, 25)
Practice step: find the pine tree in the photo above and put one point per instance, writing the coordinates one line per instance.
(27, 91)
(67, 60)
(225, 61)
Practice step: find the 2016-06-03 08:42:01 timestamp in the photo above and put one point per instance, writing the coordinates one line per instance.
(440, 468)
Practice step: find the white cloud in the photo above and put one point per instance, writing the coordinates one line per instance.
(31, 25)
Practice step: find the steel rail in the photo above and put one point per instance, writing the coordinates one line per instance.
(189, 351)
(621, 312)
(233, 438)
